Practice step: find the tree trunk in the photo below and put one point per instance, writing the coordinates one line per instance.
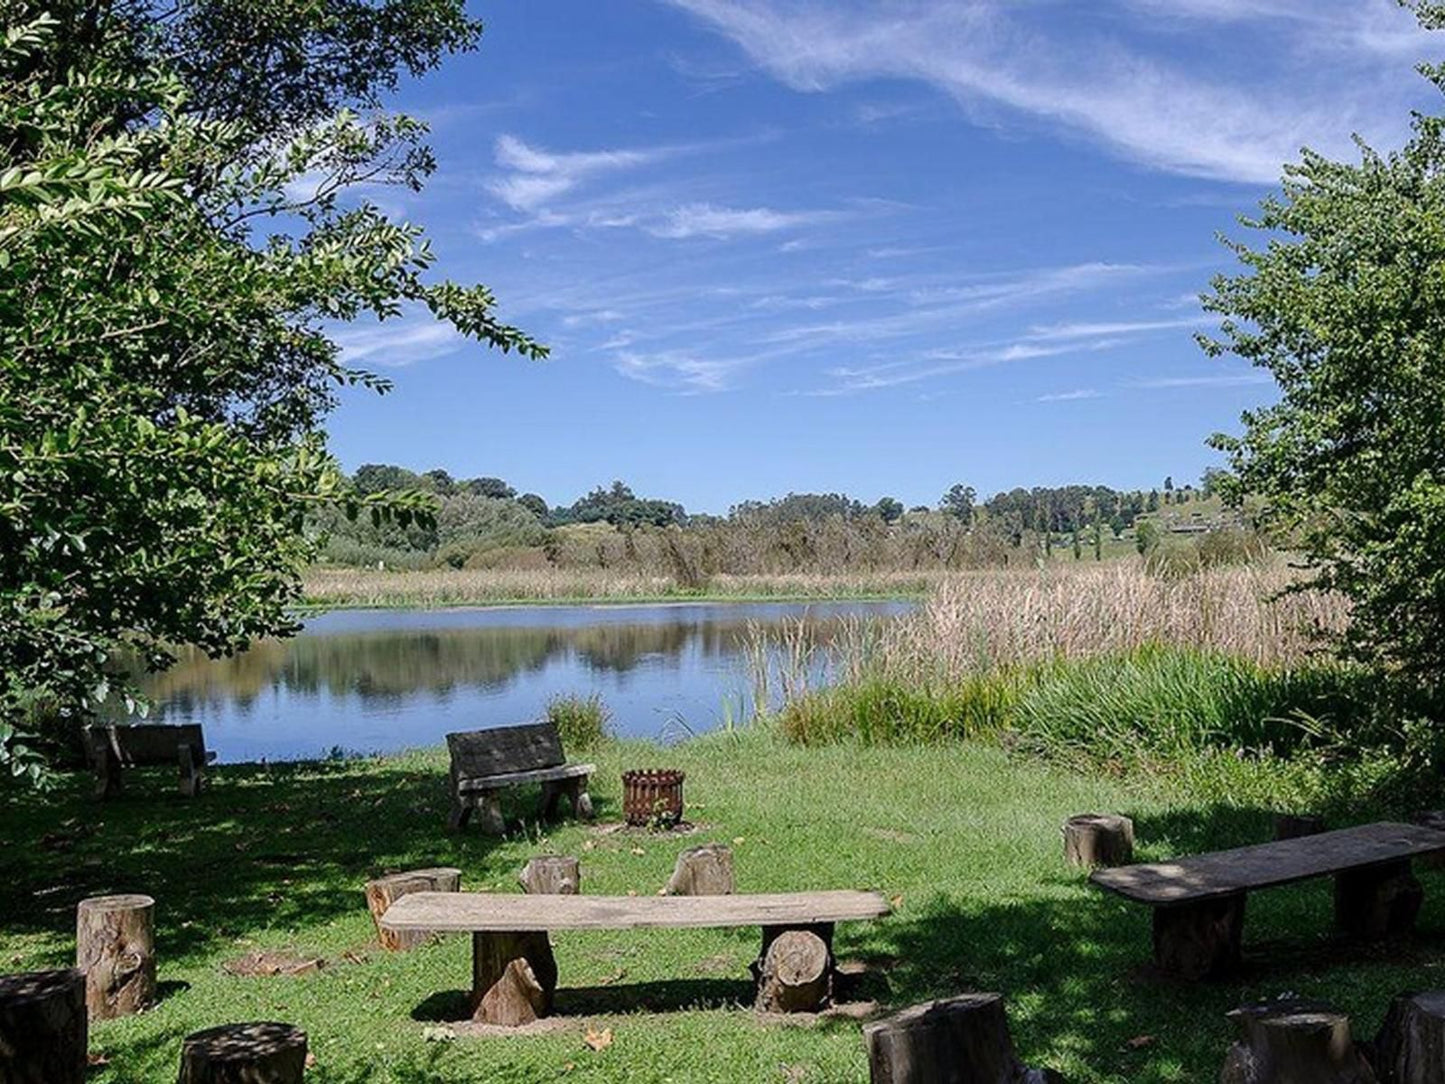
(551, 875)
(702, 871)
(1200, 940)
(1410, 1048)
(1379, 901)
(43, 1028)
(1092, 840)
(1294, 825)
(115, 947)
(514, 977)
(963, 1040)
(384, 891)
(262, 1053)
(1294, 1042)
(796, 974)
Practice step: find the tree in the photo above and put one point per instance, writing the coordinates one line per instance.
(1343, 307)
(489, 487)
(889, 509)
(164, 372)
(958, 502)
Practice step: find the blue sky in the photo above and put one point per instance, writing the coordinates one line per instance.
(873, 247)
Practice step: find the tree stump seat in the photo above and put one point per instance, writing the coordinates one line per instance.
(1293, 1041)
(1092, 840)
(961, 1040)
(484, 763)
(258, 1053)
(115, 949)
(43, 1027)
(514, 973)
(1199, 901)
(382, 892)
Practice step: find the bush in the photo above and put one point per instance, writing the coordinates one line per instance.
(581, 721)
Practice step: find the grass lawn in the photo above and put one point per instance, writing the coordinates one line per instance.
(966, 840)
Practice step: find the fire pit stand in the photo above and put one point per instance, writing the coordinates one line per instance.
(652, 796)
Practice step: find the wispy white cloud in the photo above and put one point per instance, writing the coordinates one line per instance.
(535, 176)
(404, 341)
(1108, 329)
(1146, 106)
(1070, 396)
(707, 220)
(1222, 380)
(680, 370)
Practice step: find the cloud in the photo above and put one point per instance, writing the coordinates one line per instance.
(404, 341)
(707, 220)
(1085, 76)
(679, 370)
(1070, 396)
(536, 176)
(1100, 330)
(1223, 380)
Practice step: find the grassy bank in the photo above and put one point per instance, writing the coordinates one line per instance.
(339, 588)
(963, 838)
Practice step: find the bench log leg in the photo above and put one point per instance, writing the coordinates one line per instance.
(514, 977)
(106, 766)
(192, 770)
(1199, 940)
(489, 804)
(804, 981)
(460, 812)
(1380, 901)
(547, 808)
(580, 799)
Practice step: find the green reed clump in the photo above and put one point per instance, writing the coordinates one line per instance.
(883, 710)
(582, 722)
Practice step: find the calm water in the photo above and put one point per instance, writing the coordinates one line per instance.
(378, 680)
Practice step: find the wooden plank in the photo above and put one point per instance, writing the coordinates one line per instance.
(482, 913)
(537, 775)
(504, 750)
(151, 743)
(1224, 873)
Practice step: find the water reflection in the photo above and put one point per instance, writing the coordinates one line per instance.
(381, 680)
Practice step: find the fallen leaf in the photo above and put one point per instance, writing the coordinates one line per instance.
(896, 902)
(738, 841)
(310, 1060)
(598, 1040)
(1139, 1042)
(569, 1066)
(616, 976)
(438, 1034)
(97, 1059)
(638, 851)
(588, 845)
(632, 891)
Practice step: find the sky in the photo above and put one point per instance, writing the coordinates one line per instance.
(869, 247)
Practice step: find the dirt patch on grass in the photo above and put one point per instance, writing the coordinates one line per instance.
(257, 964)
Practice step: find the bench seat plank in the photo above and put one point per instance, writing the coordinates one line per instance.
(1226, 873)
(513, 779)
(481, 913)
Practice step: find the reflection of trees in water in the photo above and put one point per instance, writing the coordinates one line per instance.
(385, 666)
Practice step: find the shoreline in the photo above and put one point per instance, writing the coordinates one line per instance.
(406, 602)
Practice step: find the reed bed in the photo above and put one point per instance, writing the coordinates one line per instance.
(350, 587)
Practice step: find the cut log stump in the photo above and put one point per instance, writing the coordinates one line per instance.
(1410, 1048)
(551, 875)
(1092, 840)
(261, 1053)
(703, 871)
(384, 891)
(1294, 825)
(43, 1027)
(1294, 1042)
(1431, 818)
(514, 977)
(963, 1040)
(1200, 940)
(796, 973)
(1377, 901)
(115, 947)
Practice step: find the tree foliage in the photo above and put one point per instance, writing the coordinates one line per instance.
(1344, 305)
(164, 365)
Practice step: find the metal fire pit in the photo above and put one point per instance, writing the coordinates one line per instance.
(652, 796)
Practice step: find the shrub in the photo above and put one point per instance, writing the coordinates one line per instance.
(581, 721)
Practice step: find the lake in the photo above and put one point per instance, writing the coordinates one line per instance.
(382, 680)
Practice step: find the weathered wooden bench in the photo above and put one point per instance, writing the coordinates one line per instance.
(1198, 901)
(514, 974)
(487, 762)
(112, 748)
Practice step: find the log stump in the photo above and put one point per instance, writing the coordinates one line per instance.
(551, 875)
(43, 1029)
(384, 891)
(1092, 840)
(1294, 825)
(1200, 940)
(963, 1040)
(514, 977)
(1294, 1042)
(262, 1053)
(1410, 1048)
(115, 947)
(796, 974)
(1431, 818)
(1378, 901)
(702, 871)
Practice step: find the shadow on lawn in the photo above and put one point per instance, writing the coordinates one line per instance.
(265, 847)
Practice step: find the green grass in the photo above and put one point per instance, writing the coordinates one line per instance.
(965, 837)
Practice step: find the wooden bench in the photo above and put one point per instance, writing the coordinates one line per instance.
(1198, 901)
(109, 749)
(487, 762)
(514, 974)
